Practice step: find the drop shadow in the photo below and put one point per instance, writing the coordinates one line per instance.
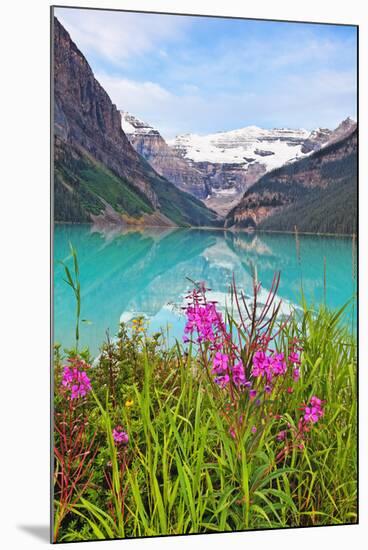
(40, 532)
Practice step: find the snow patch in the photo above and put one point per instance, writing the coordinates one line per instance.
(236, 146)
(133, 125)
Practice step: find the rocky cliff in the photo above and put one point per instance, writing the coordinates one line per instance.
(321, 137)
(85, 116)
(97, 171)
(149, 143)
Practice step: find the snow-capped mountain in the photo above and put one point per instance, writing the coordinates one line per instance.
(245, 146)
(218, 168)
(236, 159)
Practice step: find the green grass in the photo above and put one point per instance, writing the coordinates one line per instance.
(90, 183)
(119, 194)
(181, 471)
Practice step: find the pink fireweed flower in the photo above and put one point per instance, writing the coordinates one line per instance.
(232, 432)
(204, 320)
(254, 429)
(279, 366)
(252, 393)
(220, 363)
(76, 381)
(260, 364)
(119, 435)
(294, 358)
(268, 366)
(313, 412)
(316, 402)
(222, 381)
(238, 374)
(281, 435)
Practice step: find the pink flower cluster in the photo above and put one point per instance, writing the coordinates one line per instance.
(205, 320)
(120, 436)
(76, 380)
(206, 324)
(294, 358)
(222, 369)
(268, 366)
(239, 375)
(313, 412)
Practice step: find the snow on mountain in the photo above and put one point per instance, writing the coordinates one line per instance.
(133, 125)
(246, 146)
(218, 168)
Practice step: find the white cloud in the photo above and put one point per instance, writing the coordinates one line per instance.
(131, 95)
(239, 82)
(117, 36)
(323, 101)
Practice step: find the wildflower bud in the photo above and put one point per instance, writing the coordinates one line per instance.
(119, 435)
(296, 374)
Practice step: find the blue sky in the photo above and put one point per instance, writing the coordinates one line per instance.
(202, 75)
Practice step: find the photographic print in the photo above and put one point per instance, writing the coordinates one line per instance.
(204, 184)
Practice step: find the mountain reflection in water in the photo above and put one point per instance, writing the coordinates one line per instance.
(145, 272)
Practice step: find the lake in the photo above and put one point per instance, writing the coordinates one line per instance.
(126, 273)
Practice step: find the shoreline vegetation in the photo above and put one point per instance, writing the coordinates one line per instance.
(249, 422)
(209, 228)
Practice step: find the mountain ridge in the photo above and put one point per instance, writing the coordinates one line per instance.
(97, 173)
(218, 168)
(301, 194)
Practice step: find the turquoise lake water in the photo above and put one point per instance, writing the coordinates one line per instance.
(128, 273)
